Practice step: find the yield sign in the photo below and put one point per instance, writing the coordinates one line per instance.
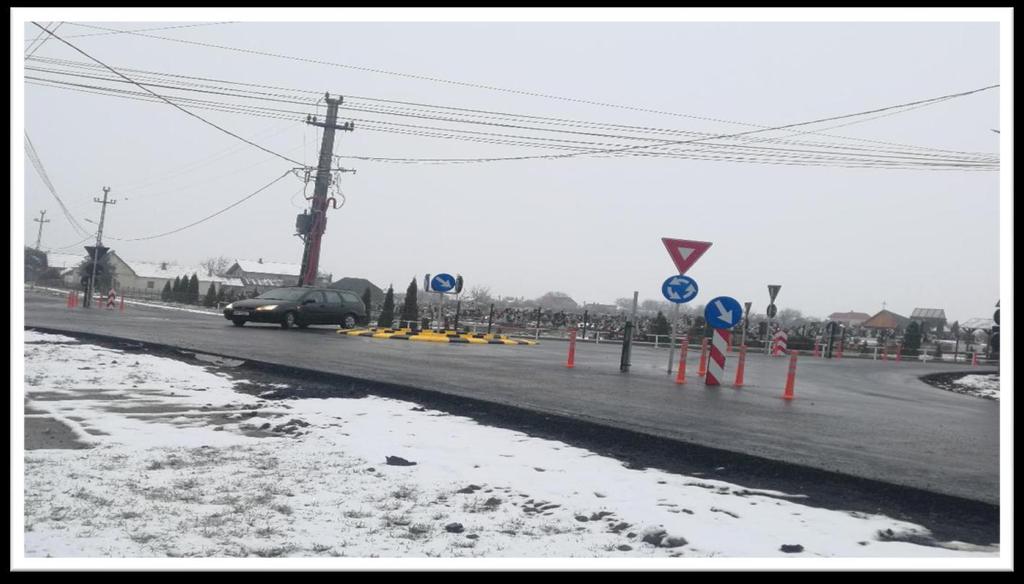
(685, 253)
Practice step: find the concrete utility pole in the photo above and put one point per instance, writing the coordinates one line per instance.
(99, 244)
(42, 219)
(318, 221)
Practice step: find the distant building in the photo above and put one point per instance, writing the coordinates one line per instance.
(359, 285)
(850, 319)
(260, 275)
(67, 264)
(933, 319)
(147, 279)
(885, 320)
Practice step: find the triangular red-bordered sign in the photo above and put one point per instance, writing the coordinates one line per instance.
(685, 253)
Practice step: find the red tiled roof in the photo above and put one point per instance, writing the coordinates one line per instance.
(886, 320)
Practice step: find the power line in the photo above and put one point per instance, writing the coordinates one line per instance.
(37, 164)
(208, 217)
(486, 114)
(271, 113)
(95, 34)
(169, 102)
(659, 144)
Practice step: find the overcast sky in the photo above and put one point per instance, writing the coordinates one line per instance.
(834, 238)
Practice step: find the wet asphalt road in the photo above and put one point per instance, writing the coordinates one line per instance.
(870, 419)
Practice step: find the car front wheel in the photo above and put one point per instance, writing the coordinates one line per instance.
(349, 321)
(289, 320)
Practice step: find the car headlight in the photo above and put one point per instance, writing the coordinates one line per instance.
(229, 306)
(267, 307)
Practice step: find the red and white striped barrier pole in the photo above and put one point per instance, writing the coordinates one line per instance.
(702, 367)
(681, 374)
(839, 353)
(791, 377)
(974, 360)
(817, 353)
(71, 300)
(885, 354)
(716, 359)
(740, 366)
(122, 302)
(572, 349)
(898, 353)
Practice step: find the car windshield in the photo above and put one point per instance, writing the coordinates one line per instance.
(292, 294)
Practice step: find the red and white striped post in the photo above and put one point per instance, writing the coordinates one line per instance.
(71, 300)
(817, 353)
(122, 301)
(974, 360)
(716, 360)
(787, 393)
(702, 367)
(885, 354)
(681, 374)
(899, 352)
(572, 349)
(839, 353)
(740, 366)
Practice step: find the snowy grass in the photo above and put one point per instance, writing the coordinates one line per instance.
(980, 385)
(185, 466)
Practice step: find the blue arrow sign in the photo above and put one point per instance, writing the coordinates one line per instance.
(679, 289)
(442, 283)
(723, 312)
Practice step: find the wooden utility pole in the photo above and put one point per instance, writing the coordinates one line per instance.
(99, 250)
(318, 222)
(42, 219)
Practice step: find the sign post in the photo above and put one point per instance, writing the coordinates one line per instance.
(773, 291)
(722, 314)
(677, 290)
(442, 284)
(746, 322)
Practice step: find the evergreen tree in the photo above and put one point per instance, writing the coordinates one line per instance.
(211, 296)
(912, 337)
(220, 294)
(661, 326)
(166, 294)
(387, 313)
(409, 310)
(368, 303)
(176, 290)
(193, 290)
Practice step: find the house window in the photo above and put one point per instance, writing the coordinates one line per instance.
(149, 284)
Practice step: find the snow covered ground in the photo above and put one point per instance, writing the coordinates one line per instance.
(182, 464)
(980, 385)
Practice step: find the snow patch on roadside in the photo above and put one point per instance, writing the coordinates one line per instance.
(980, 385)
(179, 469)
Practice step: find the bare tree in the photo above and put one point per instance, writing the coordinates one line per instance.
(216, 265)
(481, 294)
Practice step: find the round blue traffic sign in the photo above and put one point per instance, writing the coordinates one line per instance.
(723, 312)
(679, 289)
(442, 283)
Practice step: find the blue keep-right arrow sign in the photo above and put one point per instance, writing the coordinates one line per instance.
(723, 312)
(442, 283)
